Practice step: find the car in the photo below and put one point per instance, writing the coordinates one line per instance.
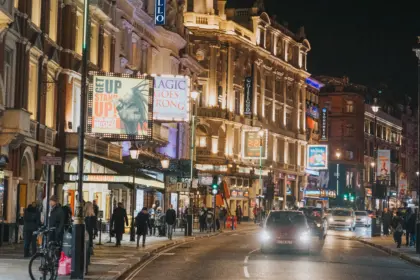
(316, 220)
(342, 218)
(285, 230)
(362, 218)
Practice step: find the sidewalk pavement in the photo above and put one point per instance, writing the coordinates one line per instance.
(387, 244)
(110, 262)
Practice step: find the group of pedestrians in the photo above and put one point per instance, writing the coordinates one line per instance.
(401, 223)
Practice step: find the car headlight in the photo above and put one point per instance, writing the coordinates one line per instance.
(330, 219)
(318, 225)
(305, 236)
(265, 236)
(349, 221)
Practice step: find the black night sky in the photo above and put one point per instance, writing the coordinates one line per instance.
(370, 41)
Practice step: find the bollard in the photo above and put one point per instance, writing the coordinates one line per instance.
(100, 232)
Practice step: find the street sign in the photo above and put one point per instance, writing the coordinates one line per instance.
(48, 160)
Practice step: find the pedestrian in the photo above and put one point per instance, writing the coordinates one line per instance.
(160, 222)
(67, 217)
(410, 227)
(117, 222)
(397, 226)
(31, 222)
(170, 219)
(222, 216)
(90, 220)
(255, 212)
(56, 220)
(96, 211)
(386, 221)
(152, 215)
(202, 218)
(238, 213)
(142, 225)
(217, 218)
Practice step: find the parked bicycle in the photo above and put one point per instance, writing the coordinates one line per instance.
(44, 264)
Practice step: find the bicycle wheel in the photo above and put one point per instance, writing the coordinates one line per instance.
(41, 269)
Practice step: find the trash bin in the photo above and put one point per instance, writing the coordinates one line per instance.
(376, 227)
(67, 240)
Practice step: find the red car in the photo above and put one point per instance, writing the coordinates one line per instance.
(285, 230)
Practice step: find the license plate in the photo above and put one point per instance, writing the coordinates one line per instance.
(284, 242)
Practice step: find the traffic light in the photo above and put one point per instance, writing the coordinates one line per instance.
(351, 197)
(345, 196)
(215, 185)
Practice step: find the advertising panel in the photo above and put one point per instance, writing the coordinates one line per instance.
(317, 157)
(324, 124)
(402, 186)
(160, 12)
(384, 164)
(251, 144)
(171, 98)
(248, 96)
(120, 106)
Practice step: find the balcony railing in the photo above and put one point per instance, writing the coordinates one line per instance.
(94, 146)
(212, 113)
(16, 121)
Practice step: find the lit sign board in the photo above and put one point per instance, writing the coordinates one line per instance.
(120, 106)
(248, 93)
(324, 124)
(251, 144)
(104, 178)
(171, 98)
(317, 157)
(313, 83)
(383, 170)
(160, 12)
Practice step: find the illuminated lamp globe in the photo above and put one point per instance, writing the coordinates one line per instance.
(261, 133)
(134, 153)
(372, 164)
(194, 95)
(375, 108)
(338, 154)
(164, 163)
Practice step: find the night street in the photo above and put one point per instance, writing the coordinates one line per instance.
(237, 256)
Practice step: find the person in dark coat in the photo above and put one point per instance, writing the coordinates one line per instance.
(90, 221)
(410, 227)
(96, 211)
(117, 222)
(31, 222)
(397, 225)
(142, 225)
(56, 220)
(170, 219)
(386, 221)
(238, 213)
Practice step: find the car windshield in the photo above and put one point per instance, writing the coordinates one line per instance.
(361, 213)
(341, 213)
(285, 219)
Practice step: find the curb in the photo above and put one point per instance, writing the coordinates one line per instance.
(145, 257)
(392, 252)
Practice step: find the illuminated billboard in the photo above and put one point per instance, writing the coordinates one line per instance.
(120, 106)
(384, 165)
(171, 98)
(251, 144)
(317, 157)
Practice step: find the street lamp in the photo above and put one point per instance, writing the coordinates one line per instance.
(194, 96)
(260, 135)
(375, 110)
(338, 155)
(417, 52)
(134, 153)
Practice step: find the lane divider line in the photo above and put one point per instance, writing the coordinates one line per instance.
(246, 273)
(246, 260)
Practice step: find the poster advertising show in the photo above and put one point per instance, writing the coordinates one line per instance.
(317, 156)
(384, 164)
(120, 106)
(171, 98)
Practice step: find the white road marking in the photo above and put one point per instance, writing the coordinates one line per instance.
(246, 272)
(246, 260)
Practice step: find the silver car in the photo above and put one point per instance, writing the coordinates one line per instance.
(342, 218)
(363, 219)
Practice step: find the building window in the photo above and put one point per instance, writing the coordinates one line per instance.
(289, 121)
(237, 102)
(76, 106)
(53, 19)
(349, 155)
(49, 108)
(144, 52)
(8, 77)
(33, 89)
(106, 65)
(94, 36)
(36, 12)
(79, 34)
(349, 179)
(371, 128)
(349, 130)
(349, 107)
(135, 55)
(201, 141)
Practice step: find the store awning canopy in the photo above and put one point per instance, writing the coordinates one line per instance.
(116, 179)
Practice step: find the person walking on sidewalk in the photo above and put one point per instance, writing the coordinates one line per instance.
(202, 218)
(410, 227)
(117, 222)
(142, 225)
(90, 220)
(96, 211)
(31, 222)
(170, 219)
(386, 221)
(56, 220)
(217, 218)
(238, 213)
(222, 216)
(152, 216)
(397, 225)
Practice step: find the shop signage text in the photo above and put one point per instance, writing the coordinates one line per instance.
(248, 93)
(254, 147)
(160, 12)
(104, 178)
(324, 124)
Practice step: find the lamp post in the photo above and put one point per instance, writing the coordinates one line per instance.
(78, 233)
(375, 109)
(372, 179)
(194, 95)
(134, 153)
(338, 155)
(417, 51)
(261, 135)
